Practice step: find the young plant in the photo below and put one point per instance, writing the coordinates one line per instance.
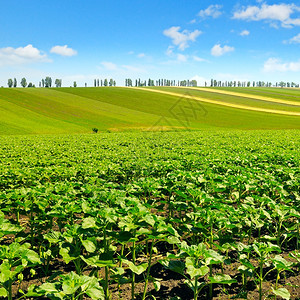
(198, 262)
(262, 251)
(158, 231)
(281, 265)
(15, 258)
(72, 287)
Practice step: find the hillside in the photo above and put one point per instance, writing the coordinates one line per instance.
(78, 110)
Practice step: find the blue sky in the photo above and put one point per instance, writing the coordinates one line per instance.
(79, 40)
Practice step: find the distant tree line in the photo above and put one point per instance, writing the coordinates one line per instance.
(215, 83)
(104, 82)
(47, 83)
(13, 83)
(160, 82)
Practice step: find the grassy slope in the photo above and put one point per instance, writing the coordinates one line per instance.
(78, 110)
(215, 114)
(278, 93)
(227, 98)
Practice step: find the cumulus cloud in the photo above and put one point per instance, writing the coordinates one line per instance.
(281, 13)
(181, 39)
(293, 40)
(141, 55)
(133, 69)
(199, 59)
(109, 66)
(245, 33)
(63, 50)
(275, 64)
(122, 69)
(21, 55)
(218, 50)
(170, 50)
(181, 58)
(212, 11)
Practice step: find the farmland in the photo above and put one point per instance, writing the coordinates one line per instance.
(180, 195)
(78, 110)
(150, 215)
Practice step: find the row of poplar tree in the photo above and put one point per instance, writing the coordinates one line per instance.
(160, 82)
(47, 82)
(104, 82)
(215, 83)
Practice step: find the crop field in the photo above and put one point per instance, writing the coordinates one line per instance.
(211, 214)
(78, 110)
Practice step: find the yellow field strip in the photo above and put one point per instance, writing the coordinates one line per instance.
(257, 109)
(281, 101)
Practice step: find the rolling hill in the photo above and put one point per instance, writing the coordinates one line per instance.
(78, 110)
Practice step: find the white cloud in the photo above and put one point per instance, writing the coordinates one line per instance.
(245, 33)
(133, 69)
(218, 50)
(122, 69)
(293, 40)
(181, 39)
(199, 59)
(169, 51)
(275, 64)
(63, 50)
(212, 11)
(109, 66)
(141, 55)
(181, 58)
(21, 55)
(271, 13)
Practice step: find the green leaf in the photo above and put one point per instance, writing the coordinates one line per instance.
(92, 288)
(173, 240)
(89, 246)
(222, 279)
(118, 271)
(89, 222)
(48, 288)
(196, 272)
(137, 269)
(95, 261)
(194, 269)
(281, 264)
(268, 238)
(71, 283)
(213, 257)
(3, 292)
(282, 292)
(32, 291)
(31, 256)
(7, 228)
(149, 219)
(174, 265)
(157, 285)
(64, 252)
(52, 237)
(6, 272)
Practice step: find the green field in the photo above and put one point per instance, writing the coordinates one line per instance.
(195, 202)
(150, 215)
(78, 110)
